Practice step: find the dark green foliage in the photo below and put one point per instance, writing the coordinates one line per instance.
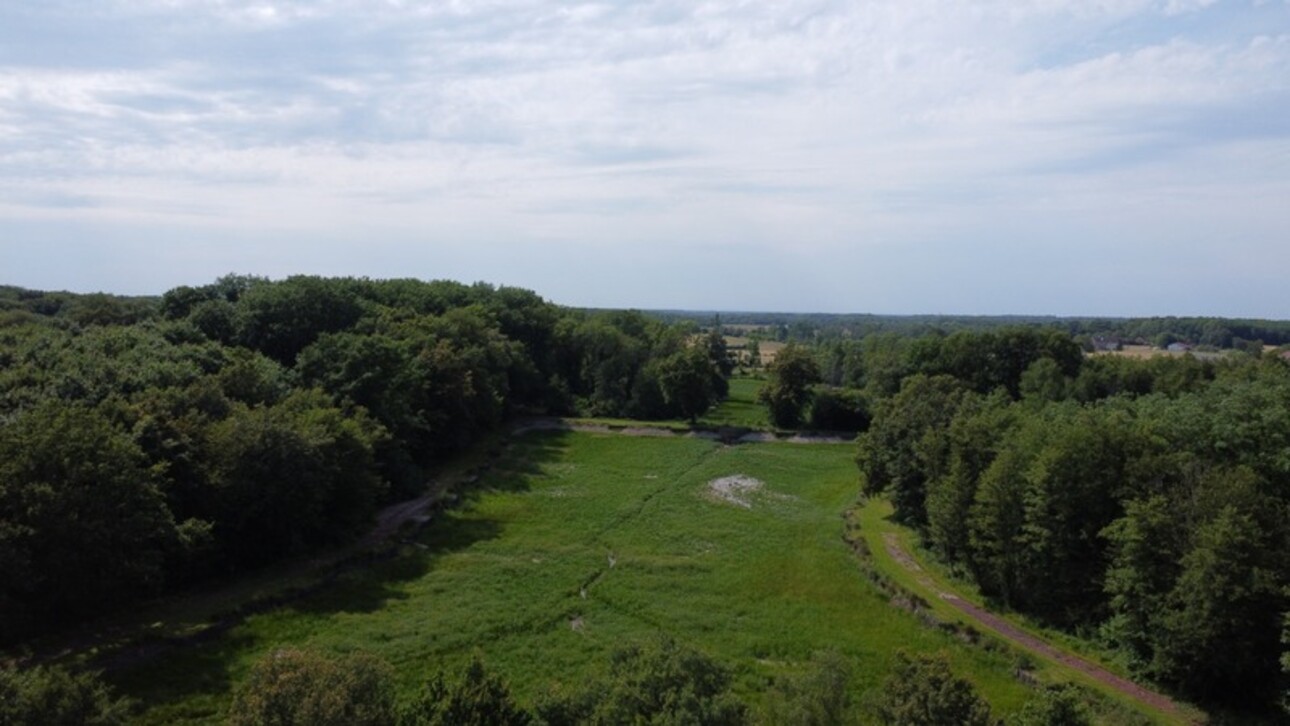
(270, 418)
(280, 319)
(975, 437)
(1043, 380)
(818, 697)
(1146, 546)
(1151, 505)
(906, 445)
(788, 389)
(923, 691)
(1221, 619)
(479, 698)
(661, 683)
(996, 358)
(82, 523)
(1054, 707)
(836, 409)
(687, 382)
(55, 695)
(292, 687)
(291, 476)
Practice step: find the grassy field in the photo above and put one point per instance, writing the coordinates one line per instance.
(740, 408)
(633, 523)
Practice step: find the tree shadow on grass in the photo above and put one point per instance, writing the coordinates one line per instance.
(196, 671)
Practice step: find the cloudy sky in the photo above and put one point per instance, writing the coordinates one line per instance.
(996, 156)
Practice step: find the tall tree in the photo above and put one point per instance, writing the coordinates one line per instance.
(83, 526)
(788, 387)
(687, 379)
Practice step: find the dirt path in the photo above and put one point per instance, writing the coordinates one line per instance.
(1025, 640)
(726, 435)
(390, 519)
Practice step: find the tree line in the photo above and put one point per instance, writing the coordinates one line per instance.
(657, 681)
(148, 444)
(1143, 503)
(816, 328)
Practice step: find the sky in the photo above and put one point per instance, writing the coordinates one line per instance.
(1100, 157)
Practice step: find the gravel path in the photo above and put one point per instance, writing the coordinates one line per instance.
(1025, 640)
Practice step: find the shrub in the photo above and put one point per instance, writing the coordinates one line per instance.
(295, 687)
(923, 691)
(54, 695)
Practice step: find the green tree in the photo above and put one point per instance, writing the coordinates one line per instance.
(479, 698)
(996, 520)
(1146, 545)
(1059, 706)
(820, 696)
(660, 682)
(55, 695)
(280, 318)
(907, 444)
(1221, 625)
(975, 436)
(722, 363)
(292, 687)
(292, 476)
(686, 378)
(1043, 381)
(83, 526)
(839, 410)
(788, 387)
(923, 691)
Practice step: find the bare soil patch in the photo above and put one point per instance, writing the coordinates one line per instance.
(736, 489)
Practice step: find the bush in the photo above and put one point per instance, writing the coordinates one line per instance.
(837, 409)
(1054, 707)
(657, 683)
(295, 687)
(54, 695)
(478, 699)
(818, 697)
(923, 691)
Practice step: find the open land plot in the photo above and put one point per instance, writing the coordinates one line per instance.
(767, 349)
(740, 408)
(1142, 352)
(578, 543)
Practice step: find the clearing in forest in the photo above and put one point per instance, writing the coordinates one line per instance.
(577, 543)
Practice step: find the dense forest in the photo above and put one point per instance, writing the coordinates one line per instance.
(149, 444)
(1142, 502)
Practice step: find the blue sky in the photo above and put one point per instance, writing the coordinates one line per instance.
(1122, 157)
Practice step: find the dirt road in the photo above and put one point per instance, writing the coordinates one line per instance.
(1025, 640)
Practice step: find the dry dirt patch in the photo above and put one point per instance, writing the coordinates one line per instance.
(736, 489)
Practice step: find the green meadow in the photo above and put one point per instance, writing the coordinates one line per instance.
(740, 408)
(577, 543)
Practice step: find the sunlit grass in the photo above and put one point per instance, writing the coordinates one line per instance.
(504, 575)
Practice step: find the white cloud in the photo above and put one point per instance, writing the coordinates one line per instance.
(807, 127)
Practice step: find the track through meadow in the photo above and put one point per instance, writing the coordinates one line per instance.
(1024, 640)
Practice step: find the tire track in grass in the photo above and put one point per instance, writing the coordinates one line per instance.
(1025, 640)
(584, 588)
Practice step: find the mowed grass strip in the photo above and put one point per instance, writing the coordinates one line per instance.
(578, 543)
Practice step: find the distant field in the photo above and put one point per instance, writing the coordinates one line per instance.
(767, 348)
(1149, 351)
(740, 408)
(578, 543)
